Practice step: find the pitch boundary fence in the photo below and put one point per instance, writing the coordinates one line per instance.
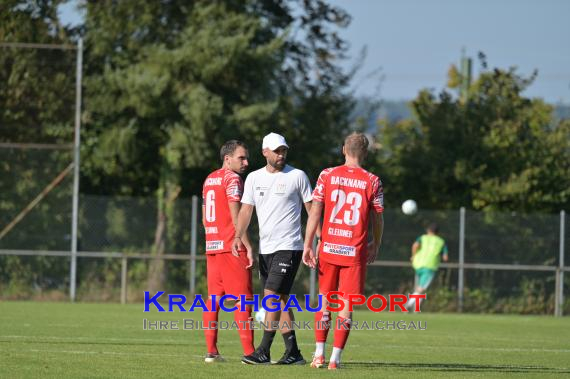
(193, 257)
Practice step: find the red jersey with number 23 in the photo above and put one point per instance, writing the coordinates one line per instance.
(348, 194)
(220, 188)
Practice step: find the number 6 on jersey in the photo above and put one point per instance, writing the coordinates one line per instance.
(210, 206)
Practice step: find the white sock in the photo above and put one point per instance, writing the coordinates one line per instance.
(335, 356)
(320, 349)
(411, 301)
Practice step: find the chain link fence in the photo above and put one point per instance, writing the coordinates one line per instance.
(511, 261)
(499, 262)
(38, 102)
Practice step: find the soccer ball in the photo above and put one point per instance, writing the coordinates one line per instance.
(260, 316)
(409, 207)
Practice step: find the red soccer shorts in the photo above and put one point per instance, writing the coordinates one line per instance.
(347, 279)
(227, 275)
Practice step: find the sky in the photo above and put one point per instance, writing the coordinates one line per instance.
(412, 43)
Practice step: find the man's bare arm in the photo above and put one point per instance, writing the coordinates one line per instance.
(313, 227)
(314, 211)
(234, 211)
(377, 232)
(243, 220)
(310, 205)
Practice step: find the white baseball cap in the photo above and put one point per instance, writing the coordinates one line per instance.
(273, 141)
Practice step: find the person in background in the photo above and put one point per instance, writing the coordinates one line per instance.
(427, 252)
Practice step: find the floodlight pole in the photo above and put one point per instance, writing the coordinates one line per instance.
(76, 146)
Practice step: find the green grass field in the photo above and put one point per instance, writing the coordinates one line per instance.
(108, 340)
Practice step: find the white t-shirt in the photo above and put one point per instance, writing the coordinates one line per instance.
(278, 199)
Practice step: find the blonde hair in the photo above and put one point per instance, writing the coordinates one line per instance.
(356, 145)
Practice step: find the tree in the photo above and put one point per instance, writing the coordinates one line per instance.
(36, 95)
(169, 82)
(497, 150)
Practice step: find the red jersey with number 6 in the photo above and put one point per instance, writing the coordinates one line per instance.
(348, 194)
(220, 188)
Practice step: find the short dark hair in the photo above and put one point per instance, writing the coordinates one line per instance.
(230, 147)
(433, 227)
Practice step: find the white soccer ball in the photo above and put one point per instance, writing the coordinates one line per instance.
(260, 316)
(409, 207)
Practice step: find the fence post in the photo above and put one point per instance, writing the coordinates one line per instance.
(460, 277)
(75, 198)
(193, 245)
(124, 279)
(313, 276)
(559, 297)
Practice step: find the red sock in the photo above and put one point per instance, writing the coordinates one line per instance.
(322, 326)
(341, 331)
(245, 331)
(211, 333)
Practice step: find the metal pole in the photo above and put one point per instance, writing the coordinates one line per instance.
(466, 65)
(313, 277)
(559, 308)
(460, 276)
(124, 279)
(193, 245)
(76, 145)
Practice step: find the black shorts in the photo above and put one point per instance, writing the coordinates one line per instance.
(278, 270)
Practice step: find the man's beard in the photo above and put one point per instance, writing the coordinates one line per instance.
(278, 165)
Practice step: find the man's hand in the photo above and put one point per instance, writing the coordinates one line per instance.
(372, 253)
(309, 257)
(249, 258)
(237, 245)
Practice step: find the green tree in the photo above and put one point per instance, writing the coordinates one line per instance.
(36, 93)
(167, 83)
(497, 150)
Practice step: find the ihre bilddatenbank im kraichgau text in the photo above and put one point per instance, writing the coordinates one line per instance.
(375, 303)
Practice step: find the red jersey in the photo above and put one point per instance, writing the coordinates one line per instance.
(348, 194)
(220, 188)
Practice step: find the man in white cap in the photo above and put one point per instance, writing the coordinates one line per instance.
(278, 192)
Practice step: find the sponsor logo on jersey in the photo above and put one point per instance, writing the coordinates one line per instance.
(280, 188)
(261, 190)
(347, 251)
(214, 245)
